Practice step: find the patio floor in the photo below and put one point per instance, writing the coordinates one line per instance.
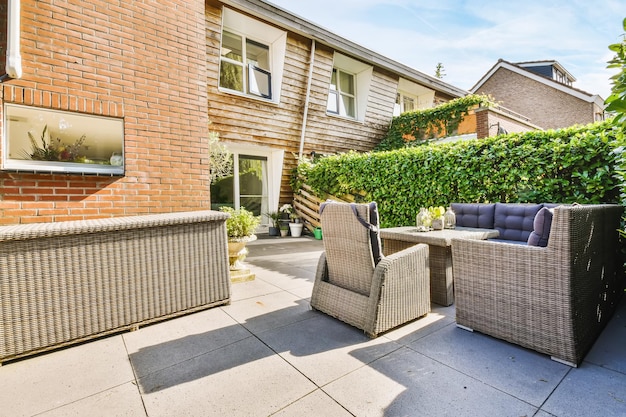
(268, 354)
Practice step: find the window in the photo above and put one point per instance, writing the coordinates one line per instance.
(412, 96)
(404, 103)
(250, 75)
(44, 140)
(341, 98)
(349, 87)
(251, 57)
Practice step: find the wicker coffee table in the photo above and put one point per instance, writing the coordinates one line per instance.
(439, 242)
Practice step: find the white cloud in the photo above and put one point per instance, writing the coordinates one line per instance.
(469, 36)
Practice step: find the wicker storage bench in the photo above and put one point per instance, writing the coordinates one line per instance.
(554, 299)
(67, 282)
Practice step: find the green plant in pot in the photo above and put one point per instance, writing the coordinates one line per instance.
(274, 216)
(295, 225)
(240, 228)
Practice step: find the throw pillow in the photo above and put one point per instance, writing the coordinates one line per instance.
(541, 228)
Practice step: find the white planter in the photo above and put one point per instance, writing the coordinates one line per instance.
(296, 229)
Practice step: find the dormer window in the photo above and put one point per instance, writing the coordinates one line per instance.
(252, 57)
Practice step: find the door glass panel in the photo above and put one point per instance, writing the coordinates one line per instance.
(253, 183)
(222, 192)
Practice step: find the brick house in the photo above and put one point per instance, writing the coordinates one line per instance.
(110, 116)
(542, 91)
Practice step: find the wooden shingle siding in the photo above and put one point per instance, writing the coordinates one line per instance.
(245, 120)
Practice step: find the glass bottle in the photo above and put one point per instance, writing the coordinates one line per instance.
(449, 219)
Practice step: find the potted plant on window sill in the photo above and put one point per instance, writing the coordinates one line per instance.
(240, 228)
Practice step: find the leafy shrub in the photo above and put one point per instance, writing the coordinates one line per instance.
(241, 223)
(569, 165)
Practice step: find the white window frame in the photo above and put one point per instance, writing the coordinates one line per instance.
(264, 34)
(101, 139)
(337, 93)
(422, 96)
(363, 74)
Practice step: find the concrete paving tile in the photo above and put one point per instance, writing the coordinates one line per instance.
(243, 379)
(417, 329)
(323, 348)
(315, 404)
(589, 391)
(406, 383)
(254, 288)
(608, 351)
(123, 400)
(520, 372)
(49, 381)
(267, 312)
(303, 292)
(285, 278)
(163, 344)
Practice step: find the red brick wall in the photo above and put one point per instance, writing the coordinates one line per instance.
(143, 61)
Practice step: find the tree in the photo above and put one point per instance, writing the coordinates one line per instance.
(616, 102)
(440, 72)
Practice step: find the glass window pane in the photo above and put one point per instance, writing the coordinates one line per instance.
(231, 46)
(259, 82)
(258, 54)
(346, 83)
(332, 106)
(59, 141)
(252, 180)
(409, 104)
(231, 76)
(333, 80)
(347, 106)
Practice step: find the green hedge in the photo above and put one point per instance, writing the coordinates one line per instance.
(568, 165)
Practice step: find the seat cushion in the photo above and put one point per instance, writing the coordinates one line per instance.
(474, 214)
(515, 221)
(541, 228)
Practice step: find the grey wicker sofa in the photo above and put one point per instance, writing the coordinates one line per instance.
(554, 299)
(355, 283)
(67, 282)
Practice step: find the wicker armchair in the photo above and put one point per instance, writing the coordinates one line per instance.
(356, 284)
(556, 299)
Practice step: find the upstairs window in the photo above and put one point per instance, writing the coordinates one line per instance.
(251, 57)
(251, 75)
(341, 97)
(350, 83)
(404, 102)
(412, 96)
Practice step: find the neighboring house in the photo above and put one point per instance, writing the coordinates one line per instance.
(542, 91)
(110, 114)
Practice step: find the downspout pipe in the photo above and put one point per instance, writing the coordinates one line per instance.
(13, 67)
(307, 98)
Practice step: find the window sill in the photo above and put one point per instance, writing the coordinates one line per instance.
(52, 167)
(248, 96)
(347, 118)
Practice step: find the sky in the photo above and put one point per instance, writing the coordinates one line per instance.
(469, 36)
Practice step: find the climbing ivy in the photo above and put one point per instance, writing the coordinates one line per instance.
(417, 127)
